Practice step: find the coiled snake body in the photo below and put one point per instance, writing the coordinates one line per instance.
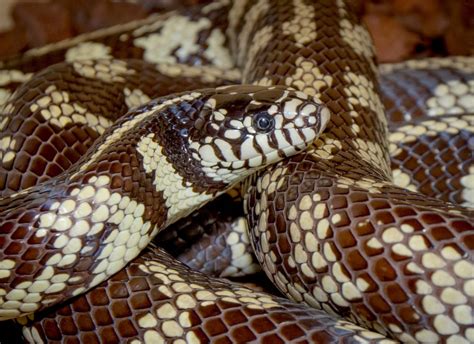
(329, 226)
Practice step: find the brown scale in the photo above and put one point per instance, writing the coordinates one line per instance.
(112, 312)
(295, 192)
(121, 168)
(260, 319)
(390, 296)
(210, 254)
(418, 158)
(407, 90)
(120, 40)
(136, 185)
(46, 149)
(444, 227)
(332, 56)
(437, 163)
(199, 240)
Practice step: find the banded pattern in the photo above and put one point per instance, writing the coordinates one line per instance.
(151, 39)
(434, 157)
(168, 302)
(51, 121)
(308, 216)
(318, 220)
(213, 240)
(415, 158)
(438, 104)
(149, 170)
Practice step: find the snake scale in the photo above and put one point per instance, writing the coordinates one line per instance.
(363, 260)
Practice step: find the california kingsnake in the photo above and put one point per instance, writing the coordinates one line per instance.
(348, 240)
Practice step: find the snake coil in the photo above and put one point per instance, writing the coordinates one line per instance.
(361, 252)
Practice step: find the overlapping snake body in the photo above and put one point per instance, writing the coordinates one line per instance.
(155, 165)
(329, 226)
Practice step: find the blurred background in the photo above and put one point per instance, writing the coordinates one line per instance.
(401, 29)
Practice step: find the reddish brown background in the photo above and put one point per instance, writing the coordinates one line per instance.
(401, 28)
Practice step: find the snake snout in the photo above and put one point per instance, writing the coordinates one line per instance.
(324, 118)
(304, 121)
(310, 115)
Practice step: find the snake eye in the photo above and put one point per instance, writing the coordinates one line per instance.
(263, 122)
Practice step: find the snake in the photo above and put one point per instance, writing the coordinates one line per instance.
(362, 259)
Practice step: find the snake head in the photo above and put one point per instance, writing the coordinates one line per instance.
(243, 128)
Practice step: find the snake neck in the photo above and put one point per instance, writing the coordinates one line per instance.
(358, 123)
